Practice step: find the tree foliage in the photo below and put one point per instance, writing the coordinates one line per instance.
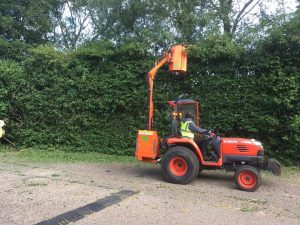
(26, 20)
(163, 22)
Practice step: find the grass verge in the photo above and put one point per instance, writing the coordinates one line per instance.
(56, 155)
(9, 154)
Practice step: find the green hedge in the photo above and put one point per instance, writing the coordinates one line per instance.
(89, 99)
(96, 97)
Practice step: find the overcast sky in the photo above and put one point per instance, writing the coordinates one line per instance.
(290, 5)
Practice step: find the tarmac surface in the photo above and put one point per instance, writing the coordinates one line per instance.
(33, 193)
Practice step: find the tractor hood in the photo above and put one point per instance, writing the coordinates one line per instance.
(242, 147)
(242, 141)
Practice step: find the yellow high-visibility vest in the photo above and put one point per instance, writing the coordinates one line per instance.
(185, 131)
(2, 132)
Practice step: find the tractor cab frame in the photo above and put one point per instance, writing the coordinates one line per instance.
(180, 108)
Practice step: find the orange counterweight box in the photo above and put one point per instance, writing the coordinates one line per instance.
(178, 60)
(147, 146)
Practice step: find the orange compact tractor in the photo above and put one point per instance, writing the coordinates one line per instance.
(183, 159)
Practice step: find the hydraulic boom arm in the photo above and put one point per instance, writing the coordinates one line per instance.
(177, 59)
(151, 76)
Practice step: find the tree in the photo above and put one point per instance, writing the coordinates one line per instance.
(231, 13)
(144, 21)
(163, 22)
(158, 23)
(72, 24)
(26, 20)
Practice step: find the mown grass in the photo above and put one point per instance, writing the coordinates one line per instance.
(56, 155)
(291, 171)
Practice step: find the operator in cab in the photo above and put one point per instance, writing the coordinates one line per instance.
(189, 129)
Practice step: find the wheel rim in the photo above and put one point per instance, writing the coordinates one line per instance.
(247, 179)
(178, 166)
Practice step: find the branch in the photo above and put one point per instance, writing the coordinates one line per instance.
(213, 4)
(82, 26)
(94, 22)
(241, 14)
(64, 31)
(73, 18)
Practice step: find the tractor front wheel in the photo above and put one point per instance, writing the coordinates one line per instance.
(247, 178)
(179, 165)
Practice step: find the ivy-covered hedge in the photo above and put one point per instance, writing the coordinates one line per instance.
(96, 97)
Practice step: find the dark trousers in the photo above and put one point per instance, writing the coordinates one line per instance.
(202, 142)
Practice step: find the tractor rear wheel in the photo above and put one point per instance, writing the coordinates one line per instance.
(179, 165)
(247, 178)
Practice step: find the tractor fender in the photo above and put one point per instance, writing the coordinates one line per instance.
(186, 142)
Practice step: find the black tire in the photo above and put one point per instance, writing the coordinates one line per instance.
(247, 178)
(186, 172)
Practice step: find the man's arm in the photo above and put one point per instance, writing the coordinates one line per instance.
(194, 128)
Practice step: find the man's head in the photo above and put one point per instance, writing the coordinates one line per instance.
(189, 115)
